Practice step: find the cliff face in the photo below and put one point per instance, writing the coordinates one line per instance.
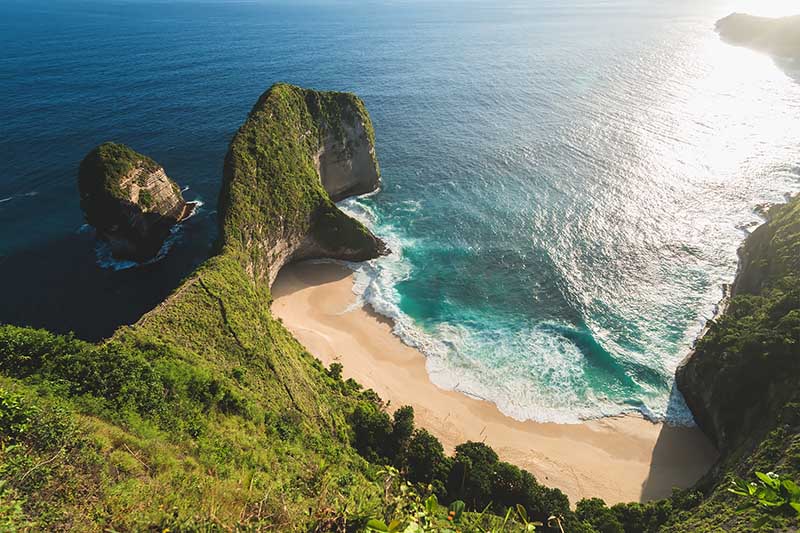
(742, 382)
(776, 36)
(748, 364)
(298, 152)
(129, 199)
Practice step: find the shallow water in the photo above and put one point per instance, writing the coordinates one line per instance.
(565, 183)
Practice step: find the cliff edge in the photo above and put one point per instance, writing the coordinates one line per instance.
(747, 366)
(742, 381)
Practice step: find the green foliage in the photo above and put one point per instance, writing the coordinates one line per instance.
(425, 461)
(743, 382)
(372, 429)
(770, 491)
(475, 475)
(407, 511)
(271, 187)
(145, 199)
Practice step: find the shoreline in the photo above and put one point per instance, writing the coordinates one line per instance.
(619, 459)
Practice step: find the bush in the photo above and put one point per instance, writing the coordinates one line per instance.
(424, 461)
(372, 429)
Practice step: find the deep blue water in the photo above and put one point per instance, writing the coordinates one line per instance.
(565, 182)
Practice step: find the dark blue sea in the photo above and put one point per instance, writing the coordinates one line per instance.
(566, 182)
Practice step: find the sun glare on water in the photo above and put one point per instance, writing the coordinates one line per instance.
(767, 8)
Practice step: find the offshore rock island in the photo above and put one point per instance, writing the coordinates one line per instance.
(130, 200)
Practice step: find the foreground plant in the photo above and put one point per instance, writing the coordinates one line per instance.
(770, 491)
(408, 512)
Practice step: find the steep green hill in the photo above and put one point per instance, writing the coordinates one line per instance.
(207, 407)
(207, 415)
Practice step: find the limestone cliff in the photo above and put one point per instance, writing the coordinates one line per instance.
(747, 367)
(776, 36)
(130, 200)
(298, 152)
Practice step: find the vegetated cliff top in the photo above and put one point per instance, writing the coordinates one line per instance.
(100, 174)
(743, 380)
(776, 36)
(273, 205)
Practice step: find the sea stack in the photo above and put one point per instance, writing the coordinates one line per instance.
(129, 200)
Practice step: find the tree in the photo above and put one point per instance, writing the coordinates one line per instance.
(372, 429)
(425, 461)
(402, 429)
(595, 512)
(472, 476)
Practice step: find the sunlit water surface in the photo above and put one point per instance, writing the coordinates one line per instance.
(565, 183)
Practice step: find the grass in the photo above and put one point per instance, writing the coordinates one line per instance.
(207, 415)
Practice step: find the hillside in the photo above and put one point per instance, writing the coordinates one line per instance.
(743, 380)
(206, 415)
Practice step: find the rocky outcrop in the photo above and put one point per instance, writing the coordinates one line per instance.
(776, 36)
(298, 152)
(130, 200)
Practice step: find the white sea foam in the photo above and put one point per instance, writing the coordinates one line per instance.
(15, 196)
(447, 349)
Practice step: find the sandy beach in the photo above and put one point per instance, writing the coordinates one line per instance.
(618, 459)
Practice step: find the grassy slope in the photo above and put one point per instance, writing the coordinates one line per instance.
(243, 424)
(232, 418)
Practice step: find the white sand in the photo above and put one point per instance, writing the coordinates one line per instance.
(618, 459)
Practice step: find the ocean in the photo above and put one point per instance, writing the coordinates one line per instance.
(565, 183)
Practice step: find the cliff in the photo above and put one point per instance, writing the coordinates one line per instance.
(776, 36)
(742, 382)
(748, 363)
(130, 200)
(298, 152)
(207, 413)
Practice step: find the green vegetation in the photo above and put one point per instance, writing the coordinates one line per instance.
(207, 415)
(99, 176)
(769, 491)
(271, 188)
(743, 383)
(408, 512)
(145, 199)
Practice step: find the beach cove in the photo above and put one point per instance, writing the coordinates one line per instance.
(619, 459)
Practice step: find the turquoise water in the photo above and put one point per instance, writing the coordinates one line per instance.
(565, 182)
